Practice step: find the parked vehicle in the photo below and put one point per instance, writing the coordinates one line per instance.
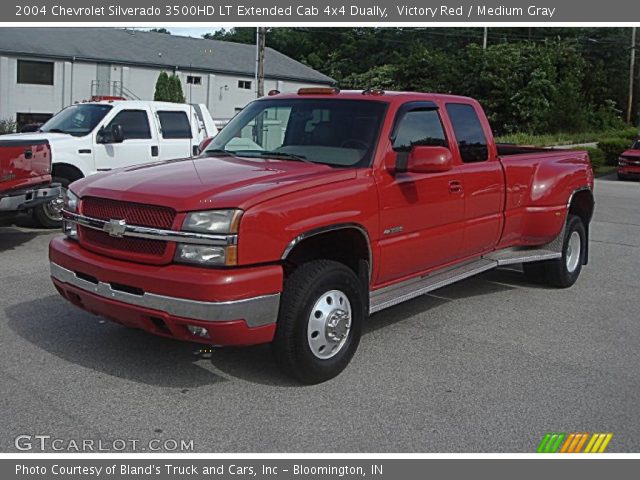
(310, 211)
(25, 176)
(92, 137)
(629, 163)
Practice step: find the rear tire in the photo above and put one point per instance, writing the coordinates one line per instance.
(49, 214)
(320, 321)
(563, 272)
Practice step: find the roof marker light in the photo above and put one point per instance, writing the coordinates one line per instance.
(319, 91)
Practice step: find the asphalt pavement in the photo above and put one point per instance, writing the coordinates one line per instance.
(487, 365)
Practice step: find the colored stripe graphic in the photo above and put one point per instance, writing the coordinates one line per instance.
(573, 442)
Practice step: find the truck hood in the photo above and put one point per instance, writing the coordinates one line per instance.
(52, 138)
(209, 182)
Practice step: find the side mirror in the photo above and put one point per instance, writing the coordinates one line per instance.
(426, 159)
(117, 133)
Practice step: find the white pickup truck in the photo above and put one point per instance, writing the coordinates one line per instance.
(92, 137)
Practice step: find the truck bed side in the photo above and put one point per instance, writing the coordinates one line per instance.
(539, 185)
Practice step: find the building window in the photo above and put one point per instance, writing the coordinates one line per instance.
(244, 84)
(174, 125)
(36, 73)
(194, 80)
(33, 120)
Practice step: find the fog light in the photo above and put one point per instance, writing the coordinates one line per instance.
(70, 229)
(198, 331)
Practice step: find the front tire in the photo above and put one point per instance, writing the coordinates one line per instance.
(49, 214)
(320, 321)
(563, 272)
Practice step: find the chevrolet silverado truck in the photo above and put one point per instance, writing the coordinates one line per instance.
(310, 211)
(629, 163)
(25, 176)
(90, 137)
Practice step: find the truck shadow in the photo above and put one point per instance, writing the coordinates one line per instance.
(11, 238)
(82, 339)
(77, 337)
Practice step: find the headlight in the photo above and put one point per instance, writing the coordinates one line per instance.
(622, 162)
(216, 222)
(70, 229)
(213, 221)
(206, 255)
(70, 201)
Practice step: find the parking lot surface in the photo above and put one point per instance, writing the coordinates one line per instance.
(487, 365)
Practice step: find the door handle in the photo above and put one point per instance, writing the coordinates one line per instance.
(455, 186)
(154, 150)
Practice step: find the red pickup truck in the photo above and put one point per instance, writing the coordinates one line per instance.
(629, 163)
(25, 177)
(310, 211)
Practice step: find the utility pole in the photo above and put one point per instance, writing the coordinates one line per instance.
(484, 38)
(632, 68)
(261, 40)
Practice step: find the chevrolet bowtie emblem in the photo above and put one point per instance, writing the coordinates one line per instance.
(115, 228)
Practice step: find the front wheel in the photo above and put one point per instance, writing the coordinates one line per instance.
(320, 321)
(563, 272)
(49, 214)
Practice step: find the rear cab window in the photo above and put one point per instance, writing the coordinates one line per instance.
(472, 142)
(174, 124)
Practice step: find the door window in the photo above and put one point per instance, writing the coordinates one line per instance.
(135, 124)
(174, 125)
(419, 127)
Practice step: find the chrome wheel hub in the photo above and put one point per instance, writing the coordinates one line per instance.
(329, 324)
(573, 252)
(53, 209)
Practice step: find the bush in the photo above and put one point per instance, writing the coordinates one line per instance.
(612, 148)
(7, 125)
(596, 156)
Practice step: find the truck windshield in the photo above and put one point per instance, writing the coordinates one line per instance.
(77, 120)
(339, 133)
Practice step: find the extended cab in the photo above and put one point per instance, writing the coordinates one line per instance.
(25, 176)
(91, 137)
(629, 163)
(310, 211)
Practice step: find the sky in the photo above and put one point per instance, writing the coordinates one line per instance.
(196, 32)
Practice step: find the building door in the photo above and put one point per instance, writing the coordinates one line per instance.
(103, 79)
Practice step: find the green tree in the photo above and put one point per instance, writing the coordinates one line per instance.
(175, 89)
(160, 30)
(162, 93)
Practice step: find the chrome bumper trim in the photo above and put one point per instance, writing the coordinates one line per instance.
(29, 198)
(151, 233)
(256, 311)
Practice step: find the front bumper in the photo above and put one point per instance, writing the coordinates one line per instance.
(29, 198)
(629, 170)
(236, 306)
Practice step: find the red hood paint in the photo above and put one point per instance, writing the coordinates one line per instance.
(631, 153)
(209, 182)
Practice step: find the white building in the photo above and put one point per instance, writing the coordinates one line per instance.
(42, 70)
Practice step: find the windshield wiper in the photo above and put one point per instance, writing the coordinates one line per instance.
(55, 130)
(218, 152)
(284, 155)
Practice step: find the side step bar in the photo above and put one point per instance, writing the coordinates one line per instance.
(394, 294)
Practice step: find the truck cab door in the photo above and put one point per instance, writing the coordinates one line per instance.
(137, 145)
(421, 214)
(482, 176)
(178, 135)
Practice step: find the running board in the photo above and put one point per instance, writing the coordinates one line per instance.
(394, 294)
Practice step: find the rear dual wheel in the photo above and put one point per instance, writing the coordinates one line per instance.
(563, 272)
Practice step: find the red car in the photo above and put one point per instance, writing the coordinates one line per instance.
(629, 163)
(25, 177)
(310, 211)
